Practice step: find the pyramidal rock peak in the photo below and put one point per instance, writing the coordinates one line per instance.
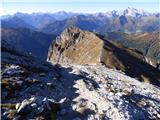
(75, 46)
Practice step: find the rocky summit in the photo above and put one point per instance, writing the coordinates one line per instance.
(75, 46)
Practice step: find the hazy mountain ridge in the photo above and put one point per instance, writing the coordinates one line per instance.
(28, 41)
(127, 20)
(101, 23)
(147, 43)
(15, 22)
(39, 20)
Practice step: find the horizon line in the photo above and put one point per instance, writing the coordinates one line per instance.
(76, 12)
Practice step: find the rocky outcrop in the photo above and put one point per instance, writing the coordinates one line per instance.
(75, 46)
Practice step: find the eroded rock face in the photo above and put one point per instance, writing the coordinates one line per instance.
(76, 46)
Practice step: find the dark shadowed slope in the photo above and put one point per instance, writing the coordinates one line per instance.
(15, 22)
(148, 43)
(25, 40)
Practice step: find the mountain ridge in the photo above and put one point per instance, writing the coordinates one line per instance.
(28, 41)
(75, 46)
(146, 42)
(124, 20)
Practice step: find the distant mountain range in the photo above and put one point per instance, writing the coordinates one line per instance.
(130, 20)
(37, 30)
(38, 20)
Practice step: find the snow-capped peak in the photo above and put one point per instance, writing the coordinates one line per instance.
(132, 12)
(125, 12)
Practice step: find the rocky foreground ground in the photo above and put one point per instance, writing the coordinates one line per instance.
(76, 92)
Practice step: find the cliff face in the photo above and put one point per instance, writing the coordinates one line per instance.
(76, 46)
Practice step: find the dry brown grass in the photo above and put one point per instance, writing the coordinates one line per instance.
(8, 105)
(4, 82)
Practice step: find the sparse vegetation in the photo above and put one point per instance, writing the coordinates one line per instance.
(8, 105)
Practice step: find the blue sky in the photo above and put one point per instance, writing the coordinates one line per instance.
(82, 6)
